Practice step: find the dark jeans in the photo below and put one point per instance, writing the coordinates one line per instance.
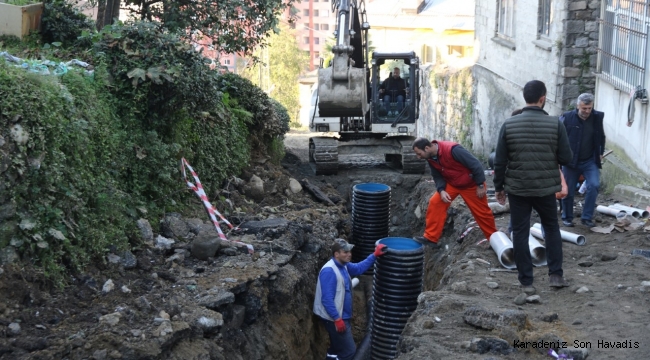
(341, 344)
(399, 99)
(590, 171)
(520, 209)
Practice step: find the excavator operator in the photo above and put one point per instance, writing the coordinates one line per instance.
(394, 90)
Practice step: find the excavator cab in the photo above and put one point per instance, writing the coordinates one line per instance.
(395, 111)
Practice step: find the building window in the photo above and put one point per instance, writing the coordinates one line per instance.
(455, 50)
(624, 38)
(544, 18)
(305, 26)
(316, 13)
(506, 19)
(305, 12)
(324, 26)
(226, 61)
(316, 54)
(316, 27)
(306, 39)
(324, 13)
(316, 41)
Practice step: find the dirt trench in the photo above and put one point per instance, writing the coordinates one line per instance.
(170, 305)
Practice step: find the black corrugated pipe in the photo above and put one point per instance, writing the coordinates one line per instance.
(397, 283)
(363, 350)
(370, 218)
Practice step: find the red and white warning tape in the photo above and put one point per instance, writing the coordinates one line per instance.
(198, 190)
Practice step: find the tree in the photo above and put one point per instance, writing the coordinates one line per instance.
(107, 11)
(285, 61)
(234, 26)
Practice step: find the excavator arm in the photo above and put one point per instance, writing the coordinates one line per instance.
(342, 87)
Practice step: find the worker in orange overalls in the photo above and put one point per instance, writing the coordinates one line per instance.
(456, 172)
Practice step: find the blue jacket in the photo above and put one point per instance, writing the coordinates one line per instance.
(573, 124)
(328, 285)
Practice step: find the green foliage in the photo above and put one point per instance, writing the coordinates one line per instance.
(276, 145)
(102, 151)
(267, 125)
(62, 23)
(234, 26)
(69, 206)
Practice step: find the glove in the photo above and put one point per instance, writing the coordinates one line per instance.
(380, 250)
(340, 325)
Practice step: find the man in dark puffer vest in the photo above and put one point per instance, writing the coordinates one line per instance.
(529, 150)
(456, 172)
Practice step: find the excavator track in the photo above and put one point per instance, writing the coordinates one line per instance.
(324, 155)
(410, 162)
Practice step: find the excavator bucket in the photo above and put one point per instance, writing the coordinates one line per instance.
(344, 97)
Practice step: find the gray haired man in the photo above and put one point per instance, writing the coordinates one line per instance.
(584, 127)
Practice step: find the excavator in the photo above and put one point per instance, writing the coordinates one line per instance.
(350, 108)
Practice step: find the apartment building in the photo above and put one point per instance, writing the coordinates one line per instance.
(314, 22)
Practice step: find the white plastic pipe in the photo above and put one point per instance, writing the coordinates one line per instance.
(502, 246)
(537, 251)
(537, 233)
(566, 236)
(618, 213)
(632, 211)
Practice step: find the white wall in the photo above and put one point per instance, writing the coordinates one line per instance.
(501, 72)
(635, 139)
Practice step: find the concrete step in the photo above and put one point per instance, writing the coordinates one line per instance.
(637, 197)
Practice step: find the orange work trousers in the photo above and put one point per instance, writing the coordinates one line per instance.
(437, 212)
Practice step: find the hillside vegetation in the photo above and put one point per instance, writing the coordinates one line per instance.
(84, 154)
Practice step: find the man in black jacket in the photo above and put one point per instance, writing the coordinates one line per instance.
(529, 149)
(584, 126)
(394, 90)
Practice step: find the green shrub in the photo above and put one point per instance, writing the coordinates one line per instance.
(69, 206)
(103, 150)
(62, 23)
(270, 118)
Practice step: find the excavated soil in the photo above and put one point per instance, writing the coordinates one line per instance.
(170, 305)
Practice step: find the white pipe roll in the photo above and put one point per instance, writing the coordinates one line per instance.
(633, 211)
(502, 246)
(567, 236)
(618, 213)
(537, 251)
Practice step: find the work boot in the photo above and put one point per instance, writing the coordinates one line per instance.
(557, 281)
(426, 242)
(528, 289)
(567, 223)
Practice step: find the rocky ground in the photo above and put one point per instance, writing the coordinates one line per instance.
(184, 294)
